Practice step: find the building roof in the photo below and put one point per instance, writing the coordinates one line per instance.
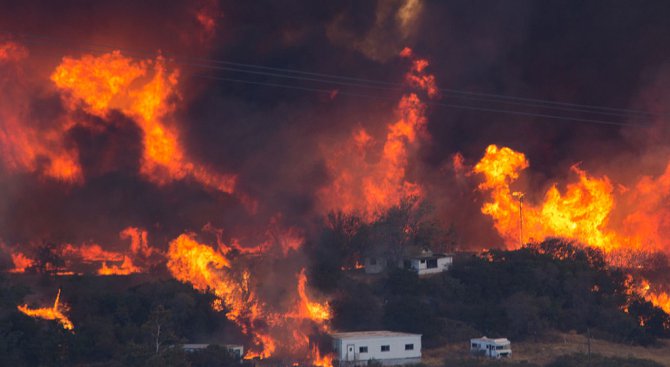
(494, 340)
(429, 257)
(204, 346)
(370, 334)
(195, 346)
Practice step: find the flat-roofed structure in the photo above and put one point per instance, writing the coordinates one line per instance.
(390, 348)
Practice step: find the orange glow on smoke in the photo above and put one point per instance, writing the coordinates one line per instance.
(49, 313)
(25, 147)
(145, 91)
(369, 188)
(12, 51)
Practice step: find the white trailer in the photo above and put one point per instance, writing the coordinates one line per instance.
(387, 347)
(494, 348)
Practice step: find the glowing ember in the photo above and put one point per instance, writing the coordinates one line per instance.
(49, 313)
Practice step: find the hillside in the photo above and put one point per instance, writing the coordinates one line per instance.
(557, 344)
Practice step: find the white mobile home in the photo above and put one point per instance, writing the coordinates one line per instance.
(388, 347)
(494, 348)
(429, 263)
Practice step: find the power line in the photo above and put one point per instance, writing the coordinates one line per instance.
(433, 103)
(354, 81)
(372, 84)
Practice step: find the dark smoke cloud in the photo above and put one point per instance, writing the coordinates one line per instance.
(596, 52)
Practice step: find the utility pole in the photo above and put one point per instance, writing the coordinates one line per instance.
(588, 343)
(519, 196)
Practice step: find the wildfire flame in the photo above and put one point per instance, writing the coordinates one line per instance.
(366, 188)
(208, 270)
(321, 361)
(143, 90)
(581, 213)
(126, 267)
(21, 262)
(312, 310)
(211, 270)
(49, 313)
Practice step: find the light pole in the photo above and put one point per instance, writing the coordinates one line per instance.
(519, 196)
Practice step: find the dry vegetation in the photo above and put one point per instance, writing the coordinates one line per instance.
(557, 344)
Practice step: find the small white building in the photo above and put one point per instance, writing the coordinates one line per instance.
(494, 348)
(429, 263)
(387, 347)
(235, 349)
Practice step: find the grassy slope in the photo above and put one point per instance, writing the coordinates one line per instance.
(556, 345)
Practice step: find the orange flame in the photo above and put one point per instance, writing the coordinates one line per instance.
(126, 267)
(366, 188)
(208, 270)
(312, 310)
(49, 313)
(211, 270)
(21, 262)
(92, 252)
(321, 361)
(138, 241)
(580, 213)
(144, 91)
(583, 212)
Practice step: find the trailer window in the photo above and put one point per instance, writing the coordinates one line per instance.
(409, 346)
(386, 348)
(362, 349)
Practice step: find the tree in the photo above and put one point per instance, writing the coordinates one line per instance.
(159, 328)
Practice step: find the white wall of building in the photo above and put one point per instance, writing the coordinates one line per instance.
(366, 345)
(421, 265)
